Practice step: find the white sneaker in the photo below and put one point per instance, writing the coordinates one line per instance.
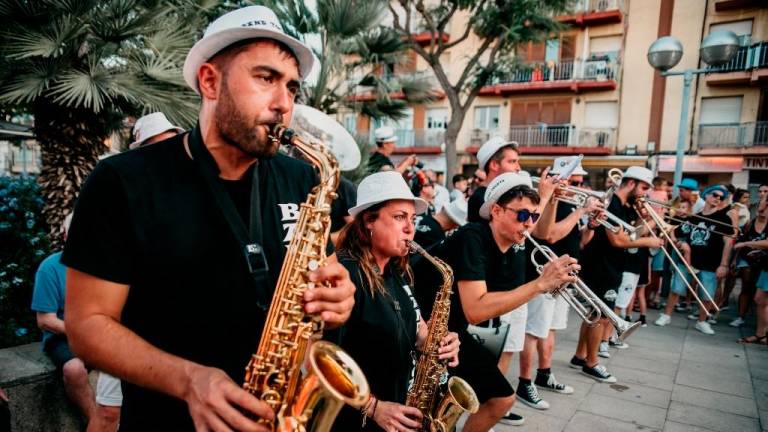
(712, 321)
(738, 322)
(704, 327)
(663, 320)
(693, 317)
(603, 351)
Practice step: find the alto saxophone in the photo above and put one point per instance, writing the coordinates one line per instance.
(306, 401)
(441, 412)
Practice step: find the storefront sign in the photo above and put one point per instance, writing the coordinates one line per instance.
(756, 163)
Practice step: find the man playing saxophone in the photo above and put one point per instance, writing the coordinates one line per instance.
(176, 247)
(385, 326)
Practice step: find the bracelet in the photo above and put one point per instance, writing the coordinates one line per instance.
(370, 402)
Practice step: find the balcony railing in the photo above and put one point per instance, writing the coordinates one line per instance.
(597, 5)
(733, 135)
(570, 70)
(412, 137)
(551, 135)
(754, 56)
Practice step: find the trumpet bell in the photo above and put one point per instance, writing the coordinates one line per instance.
(624, 329)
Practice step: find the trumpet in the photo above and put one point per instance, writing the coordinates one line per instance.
(644, 204)
(595, 308)
(578, 197)
(671, 216)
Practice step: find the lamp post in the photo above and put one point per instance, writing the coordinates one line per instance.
(717, 48)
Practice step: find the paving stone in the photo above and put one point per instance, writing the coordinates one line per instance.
(649, 355)
(537, 421)
(671, 426)
(737, 373)
(584, 421)
(714, 400)
(715, 382)
(635, 393)
(632, 412)
(761, 393)
(626, 359)
(650, 379)
(710, 419)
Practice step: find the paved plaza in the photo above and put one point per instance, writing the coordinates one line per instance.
(670, 379)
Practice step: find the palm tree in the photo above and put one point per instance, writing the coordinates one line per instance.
(80, 67)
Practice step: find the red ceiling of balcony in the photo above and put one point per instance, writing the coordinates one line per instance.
(417, 150)
(556, 150)
(585, 19)
(547, 86)
(370, 96)
(725, 5)
(754, 77)
(425, 38)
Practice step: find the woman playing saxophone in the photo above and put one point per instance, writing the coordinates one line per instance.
(385, 326)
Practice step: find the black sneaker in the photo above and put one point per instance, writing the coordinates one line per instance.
(598, 373)
(512, 419)
(577, 363)
(642, 321)
(549, 382)
(529, 395)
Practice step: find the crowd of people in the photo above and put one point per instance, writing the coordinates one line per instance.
(175, 248)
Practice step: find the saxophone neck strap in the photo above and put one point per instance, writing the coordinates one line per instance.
(249, 238)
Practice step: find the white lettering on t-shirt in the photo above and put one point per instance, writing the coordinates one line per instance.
(289, 212)
(289, 229)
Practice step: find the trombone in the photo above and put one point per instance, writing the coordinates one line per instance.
(671, 216)
(663, 226)
(595, 308)
(578, 197)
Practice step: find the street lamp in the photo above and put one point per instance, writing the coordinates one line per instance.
(717, 48)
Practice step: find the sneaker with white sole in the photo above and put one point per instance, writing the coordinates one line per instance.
(693, 317)
(663, 320)
(603, 351)
(529, 395)
(712, 320)
(704, 327)
(614, 342)
(512, 419)
(738, 322)
(598, 373)
(577, 363)
(549, 382)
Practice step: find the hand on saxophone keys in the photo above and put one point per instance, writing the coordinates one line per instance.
(333, 296)
(449, 349)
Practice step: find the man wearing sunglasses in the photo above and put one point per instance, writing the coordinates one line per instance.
(605, 262)
(488, 260)
(546, 314)
(710, 255)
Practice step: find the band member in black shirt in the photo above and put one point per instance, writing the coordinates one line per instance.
(748, 262)
(385, 327)
(385, 144)
(489, 278)
(432, 229)
(603, 262)
(495, 157)
(175, 248)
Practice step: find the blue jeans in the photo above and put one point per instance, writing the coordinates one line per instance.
(707, 278)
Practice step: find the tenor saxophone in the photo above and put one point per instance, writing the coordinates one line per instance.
(306, 401)
(441, 409)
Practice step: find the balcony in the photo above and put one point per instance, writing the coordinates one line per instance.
(419, 141)
(571, 75)
(733, 135)
(748, 67)
(553, 139)
(728, 5)
(594, 12)
(364, 93)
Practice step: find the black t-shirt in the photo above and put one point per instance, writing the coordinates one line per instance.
(347, 199)
(381, 336)
(474, 203)
(707, 246)
(147, 218)
(377, 161)
(602, 264)
(570, 243)
(683, 230)
(428, 231)
(756, 258)
(473, 255)
(635, 258)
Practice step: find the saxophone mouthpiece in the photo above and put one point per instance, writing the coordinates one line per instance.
(281, 134)
(413, 247)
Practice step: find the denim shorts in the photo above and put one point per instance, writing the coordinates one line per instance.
(707, 278)
(762, 281)
(657, 261)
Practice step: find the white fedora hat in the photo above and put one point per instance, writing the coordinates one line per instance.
(385, 134)
(499, 186)
(150, 125)
(457, 211)
(384, 186)
(489, 148)
(639, 173)
(562, 162)
(246, 23)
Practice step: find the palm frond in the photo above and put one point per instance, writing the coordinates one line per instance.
(89, 88)
(50, 41)
(348, 18)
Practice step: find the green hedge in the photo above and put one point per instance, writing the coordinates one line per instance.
(23, 244)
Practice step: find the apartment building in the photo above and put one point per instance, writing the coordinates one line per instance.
(19, 152)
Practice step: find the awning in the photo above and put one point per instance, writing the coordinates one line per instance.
(588, 162)
(703, 164)
(12, 131)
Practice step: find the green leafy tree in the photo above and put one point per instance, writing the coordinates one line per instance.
(81, 66)
(496, 27)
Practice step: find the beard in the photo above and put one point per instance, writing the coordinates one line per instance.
(241, 132)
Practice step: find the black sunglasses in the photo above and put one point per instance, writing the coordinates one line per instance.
(575, 183)
(524, 214)
(718, 196)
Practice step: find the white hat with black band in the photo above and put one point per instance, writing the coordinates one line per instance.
(501, 185)
(490, 147)
(457, 211)
(250, 22)
(642, 174)
(384, 186)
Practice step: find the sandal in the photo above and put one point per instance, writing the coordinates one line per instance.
(754, 339)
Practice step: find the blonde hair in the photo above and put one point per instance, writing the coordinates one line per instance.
(355, 242)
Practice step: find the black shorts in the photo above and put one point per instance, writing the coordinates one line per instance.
(480, 369)
(57, 348)
(601, 290)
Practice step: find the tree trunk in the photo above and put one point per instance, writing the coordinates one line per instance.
(71, 140)
(451, 134)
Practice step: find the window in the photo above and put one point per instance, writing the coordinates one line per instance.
(741, 28)
(720, 110)
(437, 118)
(601, 115)
(350, 123)
(604, 48)
(487, 117)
